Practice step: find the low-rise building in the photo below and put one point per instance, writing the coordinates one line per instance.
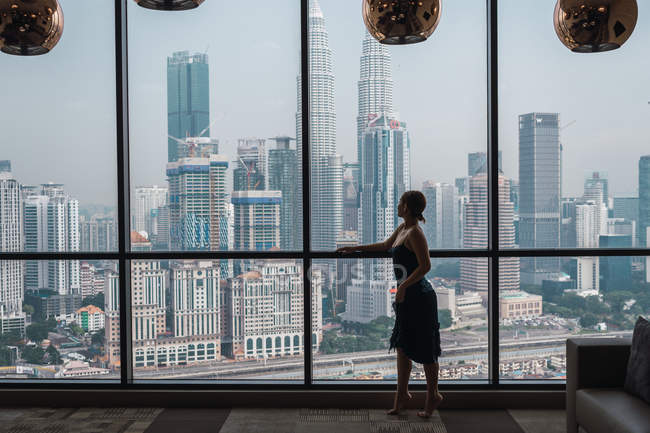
(90, 318)
(517, 304)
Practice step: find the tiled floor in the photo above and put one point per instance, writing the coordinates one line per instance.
(137, 420)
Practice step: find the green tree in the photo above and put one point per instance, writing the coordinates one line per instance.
(11, 338)
(617, 300)
(572, 302)
(53, 356)
(5, 356)
(594, 305)
(33, 354)
(37, 332)
(98, 337)
(96, 300)
(444, 316)
(29, 309)
(76, 330)
(588, 320)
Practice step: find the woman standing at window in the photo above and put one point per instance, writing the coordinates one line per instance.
(416, 334)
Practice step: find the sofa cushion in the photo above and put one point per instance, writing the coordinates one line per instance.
(611, 410)
(637, 378)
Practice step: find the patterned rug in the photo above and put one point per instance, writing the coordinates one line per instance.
(247, 420)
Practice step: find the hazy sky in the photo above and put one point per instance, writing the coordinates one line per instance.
(58, 110)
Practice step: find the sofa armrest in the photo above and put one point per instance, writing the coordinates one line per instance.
(593, 363)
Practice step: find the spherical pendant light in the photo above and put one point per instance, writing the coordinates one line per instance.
(169, 5)
(30, 27)
(590, 26)
(399, 22)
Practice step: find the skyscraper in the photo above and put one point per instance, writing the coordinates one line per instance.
(250, 171)
(477, 162)
(11, 271)
(197, 194)
(644, 199)
(598, 178)
(375, 86)
(540, 191)
(257, 219)
(63, 234)
(474, 271)
(147, 200)
(36, 240)
(326, 217)
(385, 176)
(283, 176)
(188, 99)
(441, 214)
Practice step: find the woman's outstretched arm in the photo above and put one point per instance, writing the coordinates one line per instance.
(379, 246)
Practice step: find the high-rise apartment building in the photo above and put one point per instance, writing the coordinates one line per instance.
(195, 298)
(441, 214)
(197, 198)
(326, 211)
(644, 198)
(188, 99)
(264, 310)
(474, 271)
(257, 219)
(283, 176)
(251, 165)
(148, 199)
(112, 319)
(11, 271)
(63, 235)
(36, 240)
(350, 203)
(540, 191)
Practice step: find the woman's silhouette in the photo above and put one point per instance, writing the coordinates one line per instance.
(416, 334)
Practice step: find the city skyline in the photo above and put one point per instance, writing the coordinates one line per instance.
(148, 126)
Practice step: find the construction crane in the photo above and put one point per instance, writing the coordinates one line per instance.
(248, 174)
(192, 142)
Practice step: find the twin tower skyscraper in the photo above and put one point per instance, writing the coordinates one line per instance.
(383, 170)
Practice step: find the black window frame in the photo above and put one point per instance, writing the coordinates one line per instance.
(124, 255)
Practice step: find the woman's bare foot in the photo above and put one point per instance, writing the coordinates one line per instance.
(400, 401)
(430, 406)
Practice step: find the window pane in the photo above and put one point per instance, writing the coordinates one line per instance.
(58, 168)
(48, 330)
(388, 119)
(229, 320)
(358, 318)
(212, 123)
(589, 297)
(580, 167)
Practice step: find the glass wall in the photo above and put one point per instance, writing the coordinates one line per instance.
(50, 332)
(217, 130)
(385, 120)
(357, 317)
(212, 107)
(591, 297)
(57, 159)
(574, 136)
(225, 320)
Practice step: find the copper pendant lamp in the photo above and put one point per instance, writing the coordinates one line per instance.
(399, 22)
(591, 26)
(30, 27)
(169, 5)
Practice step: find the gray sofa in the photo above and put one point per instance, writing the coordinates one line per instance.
(595, 397)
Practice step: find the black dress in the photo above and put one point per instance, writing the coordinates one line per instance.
(416, 330)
